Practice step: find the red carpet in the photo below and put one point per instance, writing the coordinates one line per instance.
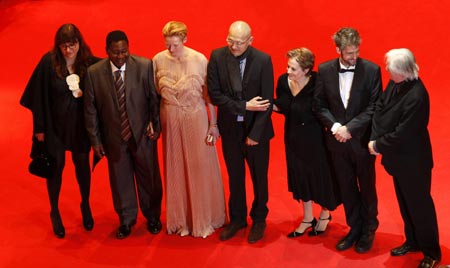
(26, 33)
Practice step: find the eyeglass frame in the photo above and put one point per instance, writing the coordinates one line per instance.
(68, 45)
(232, 42)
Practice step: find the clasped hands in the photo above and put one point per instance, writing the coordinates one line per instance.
(342, 134)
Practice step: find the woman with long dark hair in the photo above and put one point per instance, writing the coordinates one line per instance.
(54, 94)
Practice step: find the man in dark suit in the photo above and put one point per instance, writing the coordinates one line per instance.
(240, 83)
(122, 119)
(400, 134)
(345, 97)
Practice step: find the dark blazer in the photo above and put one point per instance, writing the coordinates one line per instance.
(101, 104)
(400, 128)
(257, 81)
(364, 93)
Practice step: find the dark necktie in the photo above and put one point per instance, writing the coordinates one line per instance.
(346, 70)
(125, 132)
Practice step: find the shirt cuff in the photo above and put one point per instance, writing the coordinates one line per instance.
(374, 145)
(335, 127)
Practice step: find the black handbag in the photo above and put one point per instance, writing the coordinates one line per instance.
(42, 164)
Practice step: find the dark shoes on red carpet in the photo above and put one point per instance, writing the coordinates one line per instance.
(58, 227)
(365, 242)
(347, 242)
(231, 229)
(312, 224)
(154, 226)
(428, 262)
(88, 221)
(403, 249)
(256, 232)
(320, 227)
(125, 230)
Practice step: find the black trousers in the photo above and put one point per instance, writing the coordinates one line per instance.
(236, 153)
(355, 174)
(418, 211)
(82, 173)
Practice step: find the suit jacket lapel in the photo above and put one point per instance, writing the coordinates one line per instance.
(234, 76)
(334, 80)
(248, 67)
(358, 79)
(391, 99)
(109, 80)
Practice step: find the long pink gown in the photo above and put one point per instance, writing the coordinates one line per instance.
(195, 202)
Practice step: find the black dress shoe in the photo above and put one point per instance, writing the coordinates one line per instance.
(58, 227)
(348, 241)
(365, 242)
(428, 262)
(154, 226)
(124, 230)
(231, 230)
(403, 249)
(88, 221)
(315, 231)
(294, 234)
(256, 232)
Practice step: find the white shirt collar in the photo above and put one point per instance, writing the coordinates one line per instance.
(342, 66)
(114, 67)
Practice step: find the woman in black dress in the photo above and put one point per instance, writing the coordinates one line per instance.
(309, 177)
(54, 96)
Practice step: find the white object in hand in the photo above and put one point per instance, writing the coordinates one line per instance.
(73, 81)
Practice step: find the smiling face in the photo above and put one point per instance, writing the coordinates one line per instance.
(118, 53)
(238, 45)
(175, 45)
(294, 71)
(348, 55)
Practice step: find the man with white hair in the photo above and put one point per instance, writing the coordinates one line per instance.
(400, 135)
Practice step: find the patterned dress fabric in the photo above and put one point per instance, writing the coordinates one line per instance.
(195, 201)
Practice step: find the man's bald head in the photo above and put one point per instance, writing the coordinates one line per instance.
(239, 37)
(240, 28)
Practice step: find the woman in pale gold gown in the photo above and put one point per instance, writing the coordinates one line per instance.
(195, 202)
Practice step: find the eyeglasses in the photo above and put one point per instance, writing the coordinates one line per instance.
(232, 42)
(66, 46)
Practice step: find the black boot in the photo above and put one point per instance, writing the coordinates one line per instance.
(88, 221)
(58, 227)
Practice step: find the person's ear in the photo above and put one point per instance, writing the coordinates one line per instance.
(250, 40)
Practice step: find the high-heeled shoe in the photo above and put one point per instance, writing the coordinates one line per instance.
(315, 231)
(58, 227)
(297, 234)
(88, 221)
